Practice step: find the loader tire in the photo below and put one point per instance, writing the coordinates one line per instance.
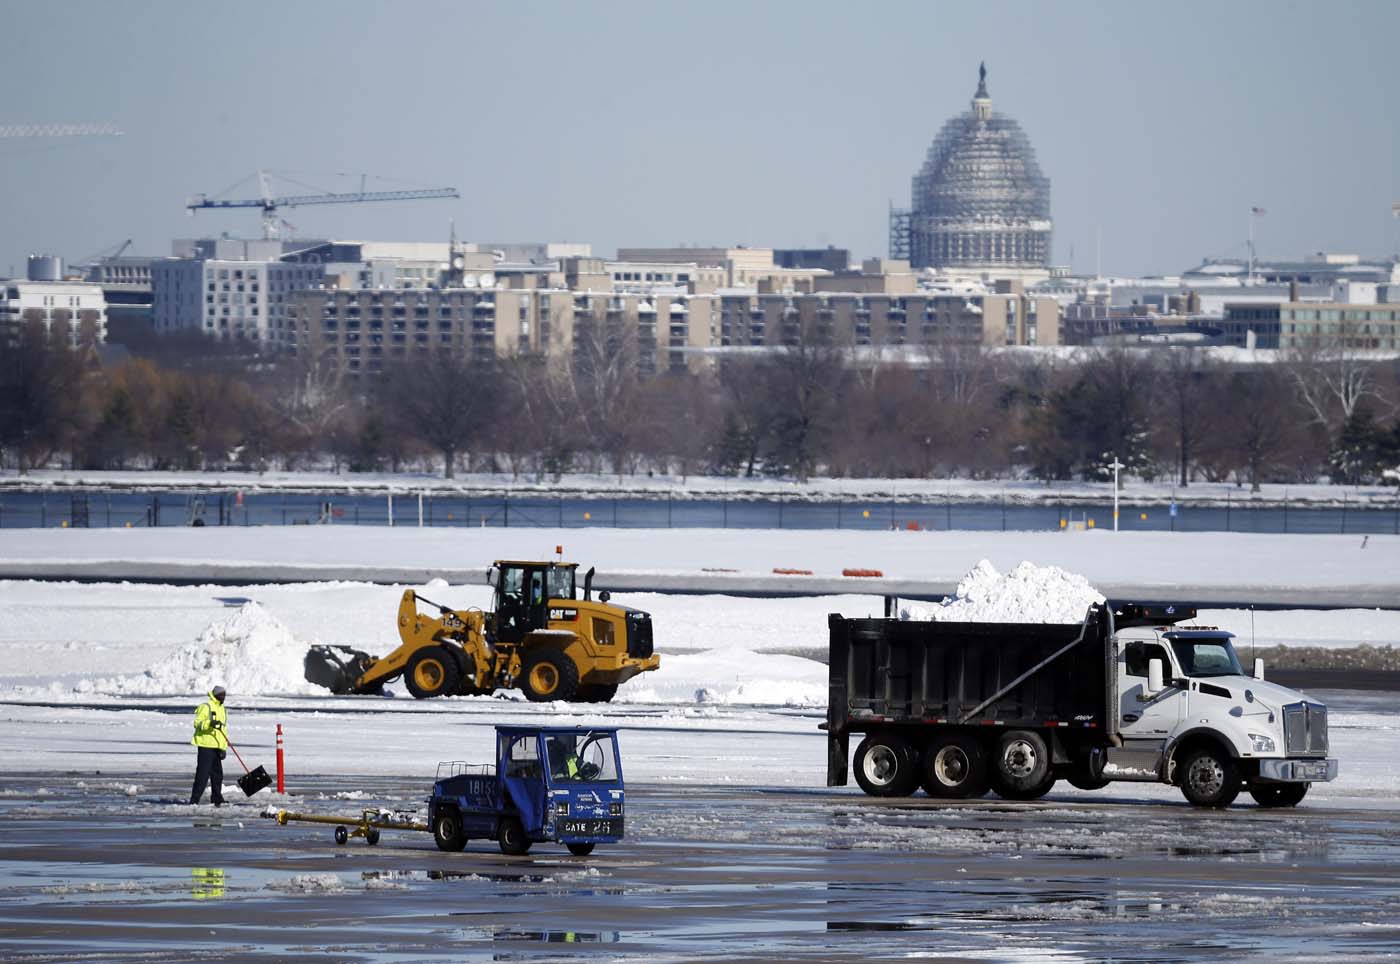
(598, 693)
(511, 837)
(549, 676)
(431, 672)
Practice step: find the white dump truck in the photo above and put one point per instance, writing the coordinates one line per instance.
(960, 708)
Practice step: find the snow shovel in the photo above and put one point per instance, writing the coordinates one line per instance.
(253, 780)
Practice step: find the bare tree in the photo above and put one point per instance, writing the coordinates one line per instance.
(441, 398)
(1185, 375)
(1332, 376)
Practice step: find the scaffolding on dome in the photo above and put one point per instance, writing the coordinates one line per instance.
(980, 197)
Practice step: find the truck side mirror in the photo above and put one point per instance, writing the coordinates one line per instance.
(1154, 676)
(1258, 669)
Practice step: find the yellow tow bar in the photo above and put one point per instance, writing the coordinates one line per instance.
(367, 825)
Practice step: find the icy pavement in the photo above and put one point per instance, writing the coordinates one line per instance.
(112, 868)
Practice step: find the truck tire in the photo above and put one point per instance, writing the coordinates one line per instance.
(431, 672)
(1209, 777)
(580, 849)
(1084, 774)
(597, 693)
(511, 836)
(885, 766)
(1279, 794)
(447, 830)
(954, 767)
(547, 676)
(1020, 763)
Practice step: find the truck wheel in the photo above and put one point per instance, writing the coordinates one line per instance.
(447, 830)
(341, 835)
(511, 837)
(431, 672)
(1021, 762)
(549, 676)
(371, 836)
(1082, 775)
(1209, 778)
(1034, 793)
(954, 768)
(580, 849)
(1279, 794)
(598, 693)
(885, 766)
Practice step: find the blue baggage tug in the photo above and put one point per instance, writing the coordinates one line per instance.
(549, 784)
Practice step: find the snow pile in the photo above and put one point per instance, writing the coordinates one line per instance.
(1027, 594)
(730, 676)
(250, 653)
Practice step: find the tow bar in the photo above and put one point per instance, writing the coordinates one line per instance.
(367, 825)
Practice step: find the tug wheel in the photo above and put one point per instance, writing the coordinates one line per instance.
(341, 835)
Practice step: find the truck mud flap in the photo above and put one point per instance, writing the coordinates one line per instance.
(335, 667)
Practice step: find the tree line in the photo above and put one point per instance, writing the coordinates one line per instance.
(940, 411)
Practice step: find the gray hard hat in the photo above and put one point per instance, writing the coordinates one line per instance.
(219, 693)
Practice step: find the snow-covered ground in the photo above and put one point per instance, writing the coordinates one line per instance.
(109, 674)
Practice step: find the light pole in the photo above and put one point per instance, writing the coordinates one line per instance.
(1115, 467)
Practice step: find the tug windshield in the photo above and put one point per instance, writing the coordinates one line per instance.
(581, 757)
(1207, 656)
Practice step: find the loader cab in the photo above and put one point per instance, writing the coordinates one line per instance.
(522, 594)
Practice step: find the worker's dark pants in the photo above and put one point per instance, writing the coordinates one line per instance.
(209, 768)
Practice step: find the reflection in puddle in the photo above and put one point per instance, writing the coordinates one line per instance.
(206, 883)
(558, 937)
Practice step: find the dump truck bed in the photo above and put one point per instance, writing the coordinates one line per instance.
(887, 672)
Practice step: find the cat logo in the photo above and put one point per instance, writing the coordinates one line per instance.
(563, 614)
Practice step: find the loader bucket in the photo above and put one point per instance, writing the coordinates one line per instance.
(337, 668)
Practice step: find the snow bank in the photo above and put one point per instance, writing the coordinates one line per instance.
(1027, 594)
(730, 676)
(250, 653)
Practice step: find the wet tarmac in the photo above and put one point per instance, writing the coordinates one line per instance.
(112, 867)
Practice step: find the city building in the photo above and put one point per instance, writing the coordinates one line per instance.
(827, 259)
(1003, 315)
(1323, 268)
(737, 267)
(365, 331)
(76, 309)
(126, 288)
(979, 206)
(1303, 325)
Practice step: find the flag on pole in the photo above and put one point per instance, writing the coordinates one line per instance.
(1257, 211)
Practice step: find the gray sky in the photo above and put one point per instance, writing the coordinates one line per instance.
(723, 122)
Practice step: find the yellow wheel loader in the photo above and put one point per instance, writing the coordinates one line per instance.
(540, 637)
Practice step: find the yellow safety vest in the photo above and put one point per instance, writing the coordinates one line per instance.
(205, 733)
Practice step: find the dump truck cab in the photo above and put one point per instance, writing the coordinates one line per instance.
(548, 784)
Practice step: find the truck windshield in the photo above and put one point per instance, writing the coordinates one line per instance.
(581, 758)
(561, 582)
(1207, 657)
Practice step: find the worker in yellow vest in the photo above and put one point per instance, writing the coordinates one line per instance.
(211, 739)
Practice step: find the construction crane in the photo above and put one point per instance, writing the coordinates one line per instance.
(269, 203)
(59, 130)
